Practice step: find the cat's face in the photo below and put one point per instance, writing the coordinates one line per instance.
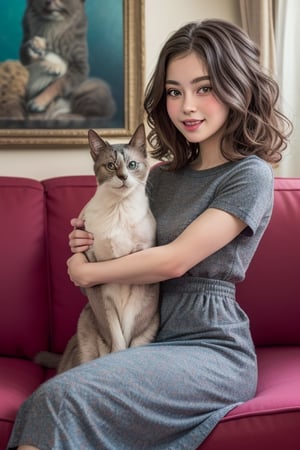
(55, 10)
(120, 167)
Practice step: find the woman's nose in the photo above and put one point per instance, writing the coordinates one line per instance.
(189, 105)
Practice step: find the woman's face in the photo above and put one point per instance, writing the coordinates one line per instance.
(191, 104)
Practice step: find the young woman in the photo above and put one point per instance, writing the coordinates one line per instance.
(213, 117)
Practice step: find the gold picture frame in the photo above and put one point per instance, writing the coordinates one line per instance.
(133, 86)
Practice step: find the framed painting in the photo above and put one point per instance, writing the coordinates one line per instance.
(109, 99)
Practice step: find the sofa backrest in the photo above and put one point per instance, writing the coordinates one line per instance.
(270, 294)
(271, 291)
(24, 326)
(65, 197)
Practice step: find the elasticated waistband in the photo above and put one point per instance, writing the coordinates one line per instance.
(192, 284)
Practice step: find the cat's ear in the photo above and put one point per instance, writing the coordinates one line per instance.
(96, 143)
(138, 139)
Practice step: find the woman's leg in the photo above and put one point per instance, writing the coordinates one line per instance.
(153, 397)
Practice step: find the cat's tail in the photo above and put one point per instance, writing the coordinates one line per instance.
(47, 359)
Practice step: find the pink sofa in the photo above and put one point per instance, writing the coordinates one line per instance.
(39, 307)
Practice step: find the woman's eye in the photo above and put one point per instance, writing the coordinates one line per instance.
(132, 165)
(205, 90)
(110, 166)
(173, 92)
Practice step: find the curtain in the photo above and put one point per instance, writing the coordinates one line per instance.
(258, 20)
(273, 24)
(288, 73)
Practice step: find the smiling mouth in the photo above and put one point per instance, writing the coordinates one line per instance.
(192, 125)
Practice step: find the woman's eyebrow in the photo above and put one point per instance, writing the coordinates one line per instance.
(194, 81)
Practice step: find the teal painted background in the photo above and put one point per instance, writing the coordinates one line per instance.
(105, 42)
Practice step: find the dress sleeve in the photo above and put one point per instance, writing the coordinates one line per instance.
(247, 193)
(152, 182)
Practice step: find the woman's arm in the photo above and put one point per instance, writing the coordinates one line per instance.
(208, 233)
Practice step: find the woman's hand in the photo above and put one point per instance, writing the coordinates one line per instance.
(79, 239)
(76, 269)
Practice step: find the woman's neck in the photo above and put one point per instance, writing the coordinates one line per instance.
(207, 159)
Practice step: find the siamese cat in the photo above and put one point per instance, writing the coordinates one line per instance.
(54, 50)
(117, 315)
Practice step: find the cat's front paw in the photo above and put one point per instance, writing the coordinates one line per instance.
(54, 66)
(35, 106)
(36, 47)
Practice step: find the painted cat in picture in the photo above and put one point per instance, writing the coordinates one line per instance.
(54, 50)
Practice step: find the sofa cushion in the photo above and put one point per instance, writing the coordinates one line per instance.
(65, 198)
(24, 326)
(271, 292)
(18, 379)
(271, 419)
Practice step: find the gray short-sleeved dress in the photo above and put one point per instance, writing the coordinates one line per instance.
(169, 394)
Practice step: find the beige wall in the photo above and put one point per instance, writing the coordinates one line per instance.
(162, 17)
(165, 16)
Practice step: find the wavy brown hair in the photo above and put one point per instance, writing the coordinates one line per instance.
(254, 125)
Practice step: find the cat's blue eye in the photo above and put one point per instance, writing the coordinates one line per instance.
(110, 166)
(132, 165)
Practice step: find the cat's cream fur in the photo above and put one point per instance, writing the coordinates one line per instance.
(117, 316)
